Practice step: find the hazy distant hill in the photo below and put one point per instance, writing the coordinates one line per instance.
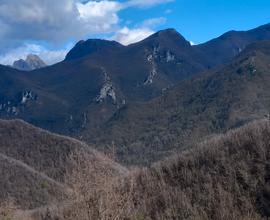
(31, 62)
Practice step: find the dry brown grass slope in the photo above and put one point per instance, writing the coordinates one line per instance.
(28, 187)
(35, 164)
(224, 178)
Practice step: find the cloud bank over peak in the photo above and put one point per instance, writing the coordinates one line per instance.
(56, 22)
(128, 36)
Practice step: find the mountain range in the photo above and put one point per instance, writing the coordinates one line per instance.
(91, 94)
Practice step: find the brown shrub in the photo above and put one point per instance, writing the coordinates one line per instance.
(225, 178)
(9, 211)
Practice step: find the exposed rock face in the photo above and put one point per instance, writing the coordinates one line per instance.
(32, 62)
(26, 96)
(209, 103)
(169, 57)
(107, 89)
(21, 65)
(14, 107)
(153, 71)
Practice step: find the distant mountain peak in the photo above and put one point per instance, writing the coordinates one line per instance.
(262, 27)
(165, 36)
(84, 48)
(168, 31)
(31, 62)
(223, 48)
(31, 57)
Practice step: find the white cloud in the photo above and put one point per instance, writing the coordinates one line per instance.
(128, 36)
(153, 22)
(52, 56)
(94, 9)
(99, 16)
(192, 43)
(58, 21)
(168, 11)
(53, 22)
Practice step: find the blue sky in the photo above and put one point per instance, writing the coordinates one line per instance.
(50, 28)
(202, 20)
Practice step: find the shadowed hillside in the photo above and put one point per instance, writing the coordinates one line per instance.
(211, 103)
(98, 77)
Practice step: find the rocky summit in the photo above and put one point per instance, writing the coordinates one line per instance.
(31, 62)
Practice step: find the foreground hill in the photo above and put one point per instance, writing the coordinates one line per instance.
(211, 103)
(35, 164)
(225, 177)
(26, 187)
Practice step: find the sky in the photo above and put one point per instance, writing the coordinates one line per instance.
(50, 28)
